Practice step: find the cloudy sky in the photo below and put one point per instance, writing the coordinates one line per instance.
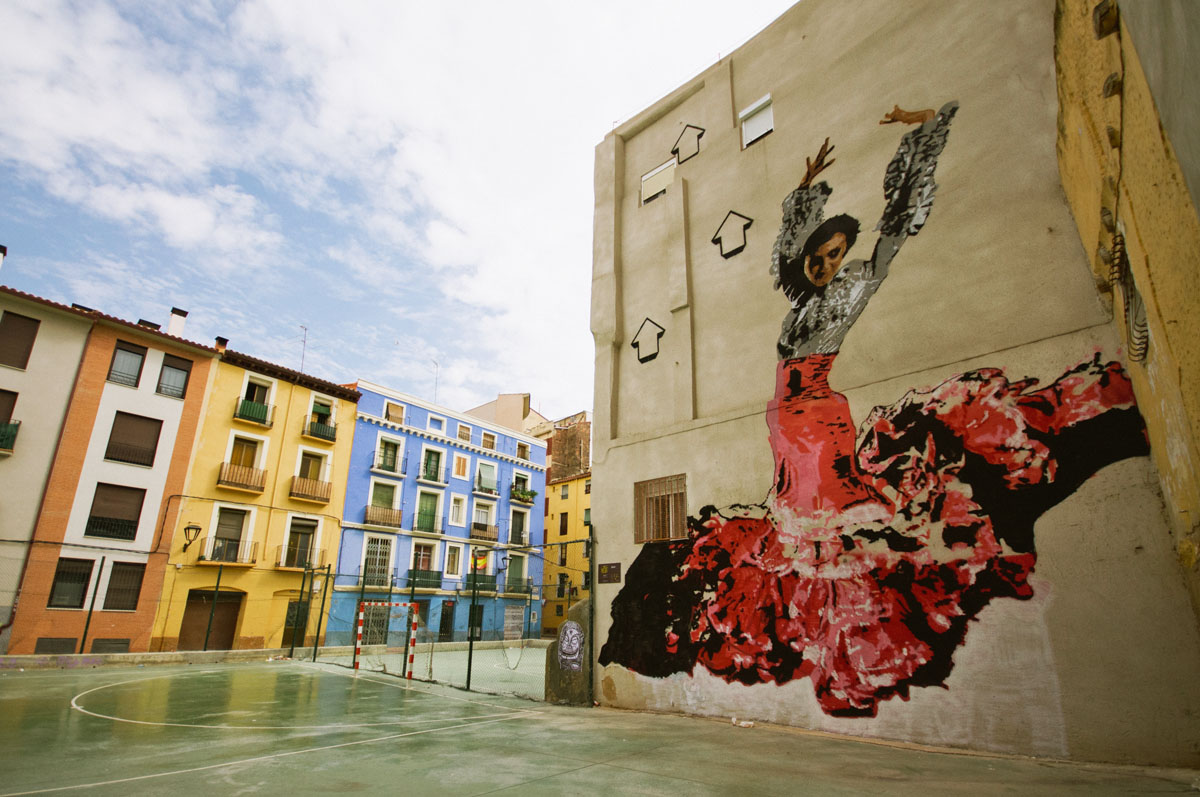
(410, 181)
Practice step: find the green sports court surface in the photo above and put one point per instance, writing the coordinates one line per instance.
(287, 727)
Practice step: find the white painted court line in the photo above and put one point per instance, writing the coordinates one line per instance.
(265, 757)
(508, 712)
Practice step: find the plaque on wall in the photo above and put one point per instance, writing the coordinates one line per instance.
(609, 574)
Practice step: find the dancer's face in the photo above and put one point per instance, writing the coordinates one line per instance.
(821, 266)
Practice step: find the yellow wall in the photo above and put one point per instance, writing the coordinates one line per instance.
(577, 501)
(1117, 162)
(267, 586)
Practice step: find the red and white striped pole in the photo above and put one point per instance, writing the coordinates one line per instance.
(358, 638)
(412, 643)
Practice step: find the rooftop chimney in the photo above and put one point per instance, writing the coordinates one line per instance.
(222, 343)
(149, 324)
(175, 325)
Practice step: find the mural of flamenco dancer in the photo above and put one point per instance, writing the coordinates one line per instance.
(875, 547)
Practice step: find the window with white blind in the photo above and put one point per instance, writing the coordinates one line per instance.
(757, 120)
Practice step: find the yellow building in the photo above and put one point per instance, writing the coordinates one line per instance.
(260, 515)
(567, 570)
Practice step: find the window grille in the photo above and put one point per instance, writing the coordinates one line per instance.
(660, 509)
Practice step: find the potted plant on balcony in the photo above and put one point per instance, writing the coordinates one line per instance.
(522, 494)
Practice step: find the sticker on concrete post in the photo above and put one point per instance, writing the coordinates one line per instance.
(570, 646)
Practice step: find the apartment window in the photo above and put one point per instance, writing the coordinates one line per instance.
(244, 453)
(458, 510)
(126, 368)
(17, 333)
(515, 577)
(483, 519)
(311, 466)
(522, 450)
(562, 556)
(564, 585)
(8, 403)
(377, 561)
(464, 433)
(383, 494)
(393, 412)
(298, 552)
(253, 405)
(558, 609)
(115, 512)
(656, 181)
(124, 586)
(756, 121)
(587, 516)
(227, 542)
(320, 421)
(521, 482)
(485, 478)
(453, 561)
(462, 466)
(436, 424)
(70, 585)
(660, 509)
(133, 439)
(587, 579)
(423, 553)
(516, 533)
(587, 549)
(488, 441)
(173, 378)
(388, 456)
(587, 487)
(562, 524)
(427, 513)
(564, 491)
(431, 467)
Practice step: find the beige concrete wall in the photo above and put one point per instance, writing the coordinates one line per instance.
(43, 391)
(1098, 664)
(1137, 179)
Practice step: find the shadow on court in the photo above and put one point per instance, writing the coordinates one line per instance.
(293, 728)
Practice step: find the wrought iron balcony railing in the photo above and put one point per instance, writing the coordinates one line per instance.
(485, 531)
(299, 556)
(224, 549)
(321, 431)
(253, 411)
(486, 486)
(8, 436)
(523, 586)
(382, 516)
(424, 579)
(517, 537)
(111, 528)
(133, 455)
(433, 473)
(241, 477)
(391, 463)
(378, 577)
(311, 489)
(481, 581)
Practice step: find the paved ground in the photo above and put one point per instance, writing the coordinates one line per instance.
(294, 728)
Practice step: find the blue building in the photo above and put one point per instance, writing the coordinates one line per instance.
(443, 509)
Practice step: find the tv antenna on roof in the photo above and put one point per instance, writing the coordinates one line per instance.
(303, 347)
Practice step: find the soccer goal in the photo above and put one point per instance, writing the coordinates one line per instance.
(386, 637)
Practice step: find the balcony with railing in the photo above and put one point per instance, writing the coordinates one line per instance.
(428, 522)
(129, 454)
(522, 586)
(375, 577)
(486, 486)
(517, 537)
(390, 462)
(424, 579)
(8, 436)
(434, 473)
(485, 531)
(382, 516)
(311, 489)
(110, 528)
(321, 430)
(481, 581)
(299, 556)
(241, 477)
(522, 495)
(224, 550)
(254, 412)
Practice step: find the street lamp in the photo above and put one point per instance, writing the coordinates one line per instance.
(190, 532)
